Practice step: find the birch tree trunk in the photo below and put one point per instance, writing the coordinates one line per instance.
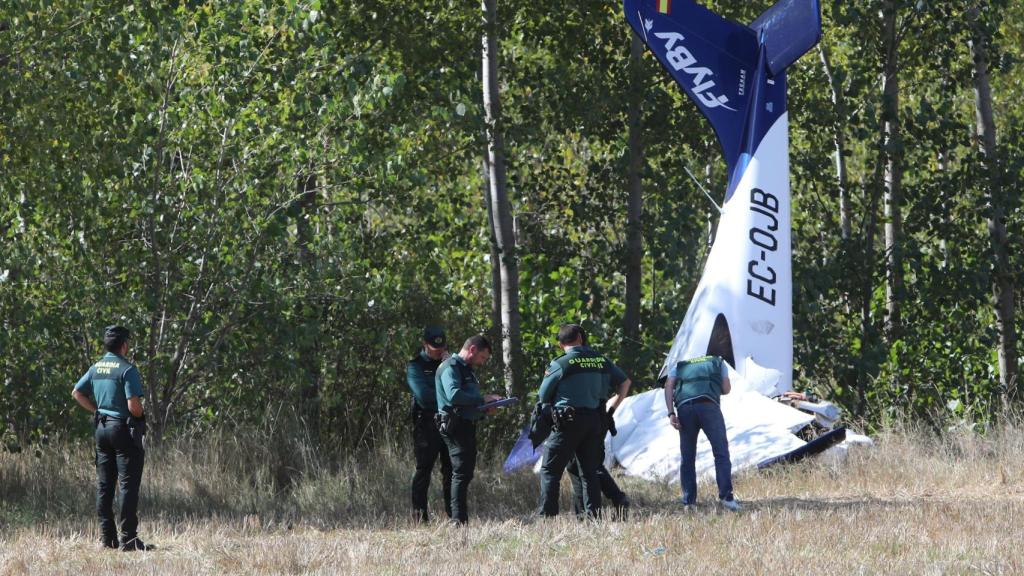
(839, 142)
(501, 207)
(495, 271)
(1002, 274)
(892, 143)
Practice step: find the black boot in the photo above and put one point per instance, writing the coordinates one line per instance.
(134, 544)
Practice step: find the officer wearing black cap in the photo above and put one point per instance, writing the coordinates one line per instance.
(577, 385)
(428, 445)
(112, 391)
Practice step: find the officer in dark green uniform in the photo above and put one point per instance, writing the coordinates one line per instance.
(112, 391)
(428, 445)
(609, 488)
(458, 399)
(576, 384)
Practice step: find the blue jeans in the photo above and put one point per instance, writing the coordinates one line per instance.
(694, 417)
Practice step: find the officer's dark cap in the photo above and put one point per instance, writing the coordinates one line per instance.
(434, 337)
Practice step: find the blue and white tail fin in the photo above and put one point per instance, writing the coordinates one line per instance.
(711, 58)
(742, 309)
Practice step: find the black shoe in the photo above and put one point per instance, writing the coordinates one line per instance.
(622, 508)
(110, 542)
(135, 544)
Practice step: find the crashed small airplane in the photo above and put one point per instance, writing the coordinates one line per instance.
(742, 308)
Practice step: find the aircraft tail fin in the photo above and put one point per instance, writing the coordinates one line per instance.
(711, 58)
(788, 30)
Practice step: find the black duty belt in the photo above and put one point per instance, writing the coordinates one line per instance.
(699, 400)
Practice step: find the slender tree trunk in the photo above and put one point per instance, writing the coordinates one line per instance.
(867, 327)
(892, 143)
(501, 206)
(162, 395)
(1002, 272)
(839, 143)
(892, 154)
(495, 272)
(308, 309)
(635, 213)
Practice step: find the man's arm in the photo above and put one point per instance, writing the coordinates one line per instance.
(133, 391)
(83, 392)
(670, 385)
(549, 385)
(135, 406)
(420, 385)
(620, 394)
(83, 400)
(457, 396)
(726, 385)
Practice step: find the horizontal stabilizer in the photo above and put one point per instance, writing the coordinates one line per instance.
(788, 30)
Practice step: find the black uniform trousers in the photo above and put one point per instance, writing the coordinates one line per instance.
(428, 448)
(581, 439)
(461, 443)
(118, 462)
(609, 488)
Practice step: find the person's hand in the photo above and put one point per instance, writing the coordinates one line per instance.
(674, 420)
(491, 398)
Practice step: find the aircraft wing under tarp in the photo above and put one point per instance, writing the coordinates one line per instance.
(758, 429)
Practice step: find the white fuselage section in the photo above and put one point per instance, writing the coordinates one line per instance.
(748, 275)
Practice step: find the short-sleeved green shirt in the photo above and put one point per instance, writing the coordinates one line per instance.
(580, 378)
(111, 382)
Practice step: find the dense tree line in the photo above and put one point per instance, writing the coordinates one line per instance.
(276, 196)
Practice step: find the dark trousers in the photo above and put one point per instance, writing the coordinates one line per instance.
(583, 440)
(609, 488)
(706, 416)
(428, 447)
(461, 444)
(118, 461)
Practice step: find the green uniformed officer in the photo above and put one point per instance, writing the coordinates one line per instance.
(458, 399)
(609, 488)
(428, 446)
(112, 391)
(576, 384)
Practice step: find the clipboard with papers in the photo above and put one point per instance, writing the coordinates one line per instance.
(498, 403)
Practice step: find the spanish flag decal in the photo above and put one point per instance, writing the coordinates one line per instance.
(664, 6)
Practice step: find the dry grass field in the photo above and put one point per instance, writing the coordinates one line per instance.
(912, 505)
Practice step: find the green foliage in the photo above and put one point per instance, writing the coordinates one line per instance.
(276, 196)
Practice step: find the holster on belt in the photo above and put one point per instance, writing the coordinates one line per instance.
(563, 416)
(137, 429)
(609, 421)
(540, 424)
(448, 420)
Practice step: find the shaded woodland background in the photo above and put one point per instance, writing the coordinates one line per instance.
(276, 197)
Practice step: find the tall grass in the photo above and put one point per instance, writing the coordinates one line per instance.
(264, 501)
